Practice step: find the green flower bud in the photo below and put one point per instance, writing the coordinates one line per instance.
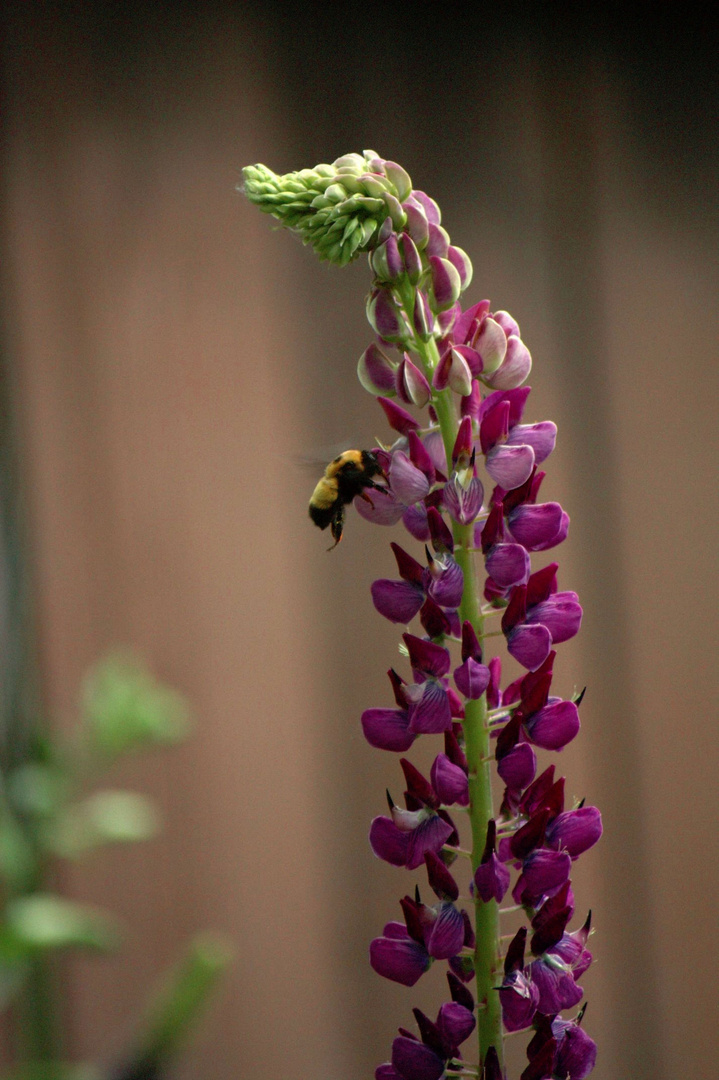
(337, 209)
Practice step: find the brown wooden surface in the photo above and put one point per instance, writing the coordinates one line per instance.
(173, 357)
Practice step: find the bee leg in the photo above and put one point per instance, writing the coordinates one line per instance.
(337, 526)
(365, 496)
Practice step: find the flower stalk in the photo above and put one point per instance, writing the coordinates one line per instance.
(463, 371)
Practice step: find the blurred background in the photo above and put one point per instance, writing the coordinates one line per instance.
(168, 361)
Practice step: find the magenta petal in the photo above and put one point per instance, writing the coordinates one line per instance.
(515, 367)
(446, 936)
(561, 614)
(427, 656)
(463, 503)
(533, 526)
(385, 508)
(518, 767)
(519, 997)
(543, 872)
(408, 483)
(491, 879)
(470, 320)
(401, 961)
(398, 601)
(558, 537)
(553, 726)
(415, 1061)
(576, 1052)
(508, 564)
(449, 781)
(432, 712)
(388, 842)
(557, 988)
(529, 645)
(386, 1071)
(472, 678)
(510, 466)
(447, 581)
(396, 930)
(575, 831)
(415, 522)
(541, 437)
(387, 729)
(431, 835)
(456, 1023)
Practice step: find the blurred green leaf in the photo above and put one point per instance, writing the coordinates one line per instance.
(18, 864)
(107, 817)
(126, 708)
(44, 921)
(53, 1071)
(37, 789)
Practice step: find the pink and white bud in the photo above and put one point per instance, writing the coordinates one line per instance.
(515, 367)
(462, 263)
(375, 371)
(446, 284)
(384, 316)
(415, 384)
(491, 344)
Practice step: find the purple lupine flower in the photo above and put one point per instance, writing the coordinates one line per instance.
(518, 994)
(445, 359)
(491, 878)
(388, 729)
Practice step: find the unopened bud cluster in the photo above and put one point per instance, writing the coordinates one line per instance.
(450, 383)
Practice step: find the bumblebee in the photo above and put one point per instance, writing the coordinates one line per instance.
(345, 477)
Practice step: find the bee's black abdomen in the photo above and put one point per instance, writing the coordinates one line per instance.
(322, 515)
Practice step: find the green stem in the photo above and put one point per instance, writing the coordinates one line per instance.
(476, 733)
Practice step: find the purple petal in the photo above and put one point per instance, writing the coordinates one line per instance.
(446, 936)
(426, 656)
(469, 321)
(529, 645)
(456, 1023)
(388, 842)
(508, 564)
(384, 510)
(553, 726)
(415, 384)
(561, 614)
(541, 437)
(446, 283)
(434, 446)
(438, 241)
(431, 835)
(515, 367)
(449, 781)
(397, 417)
(396, 930)
(575, 831)
(533, 526)
(543, 872)
(517, 768)
(576, 1052)
(447, 581)
(387, 729)
(519, 998)
(431, 713)
(430, 207)
(415, 1061)
(414, 520)
(491, 879)
(491, 345)
(559, 536)
(516, 398)
(401, 961)
(386, 1071)
(463, 503)
(398, 601)
(494, 425)
(508, 324)
(472, 678)
(510, 466)
(557, 988)
(408, 483)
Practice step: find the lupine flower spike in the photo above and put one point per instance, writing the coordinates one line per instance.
(462, 475)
